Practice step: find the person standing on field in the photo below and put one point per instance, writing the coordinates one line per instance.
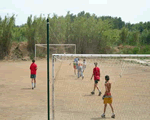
(80, 69)
(33, 69)
(84, 64)
(75, 65)
(96, 74)
(107, 97)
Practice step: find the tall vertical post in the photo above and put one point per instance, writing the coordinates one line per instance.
(48, 93)
(53, 91)
(35, 52)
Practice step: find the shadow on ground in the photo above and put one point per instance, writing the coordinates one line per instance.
(26, 88)
(87, 95)
(99, 118)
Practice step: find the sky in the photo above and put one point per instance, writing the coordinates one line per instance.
(133, 11)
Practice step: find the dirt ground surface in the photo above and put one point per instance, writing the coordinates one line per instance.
(73, 101)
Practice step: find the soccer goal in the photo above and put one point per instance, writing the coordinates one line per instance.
(41, 49)
(71, 98)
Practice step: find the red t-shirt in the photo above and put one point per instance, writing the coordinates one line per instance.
(96, 73)
(33, 67)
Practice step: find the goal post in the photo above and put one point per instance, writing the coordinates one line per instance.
(109, 61)
(56, 47)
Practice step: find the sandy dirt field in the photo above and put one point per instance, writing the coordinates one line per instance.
(131, 93)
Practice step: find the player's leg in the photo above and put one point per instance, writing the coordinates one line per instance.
(83, 68)
(81, 71)
(103, 115)
(96, 86)
(93, 92)
(77, 67)
(74, 70)
(113, 115)
(32, 78)
(74, 66)
(35, 82)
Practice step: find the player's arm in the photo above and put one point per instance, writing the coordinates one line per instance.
(92, 76)
(36, 67)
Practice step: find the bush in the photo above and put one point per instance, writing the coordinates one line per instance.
(127, 51)
(135, 50)
(145, 50)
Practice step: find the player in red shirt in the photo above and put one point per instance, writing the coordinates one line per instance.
(33, 68)
(96, 74)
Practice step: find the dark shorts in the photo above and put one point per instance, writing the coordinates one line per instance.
(33, 76)
(96, 81)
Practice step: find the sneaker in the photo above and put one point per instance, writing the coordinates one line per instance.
(93, 92)
(99, 94)
(103, 115)
(32, 88)
(82, 77)
(113, 116)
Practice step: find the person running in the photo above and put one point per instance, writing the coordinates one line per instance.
(33, 69)
(96, 74)
(80, 69)
(107, 97)
(84, 64)
(74, 66)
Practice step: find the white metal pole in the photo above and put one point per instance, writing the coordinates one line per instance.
(53, 94)
(104, 55)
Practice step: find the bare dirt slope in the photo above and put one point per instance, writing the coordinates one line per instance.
(131, 93)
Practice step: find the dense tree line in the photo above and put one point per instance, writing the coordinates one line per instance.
(91, 34)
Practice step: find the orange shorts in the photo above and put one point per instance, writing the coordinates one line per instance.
(108, 99)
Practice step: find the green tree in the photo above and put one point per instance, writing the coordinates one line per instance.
(123, 35)
(6, 26)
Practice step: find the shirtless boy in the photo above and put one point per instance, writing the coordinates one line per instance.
(107, 97)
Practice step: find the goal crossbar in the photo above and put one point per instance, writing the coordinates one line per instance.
(102, 55)
(53, 45)
(58, 44)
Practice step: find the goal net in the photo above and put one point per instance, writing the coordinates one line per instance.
(41, 49)
(129, 75)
